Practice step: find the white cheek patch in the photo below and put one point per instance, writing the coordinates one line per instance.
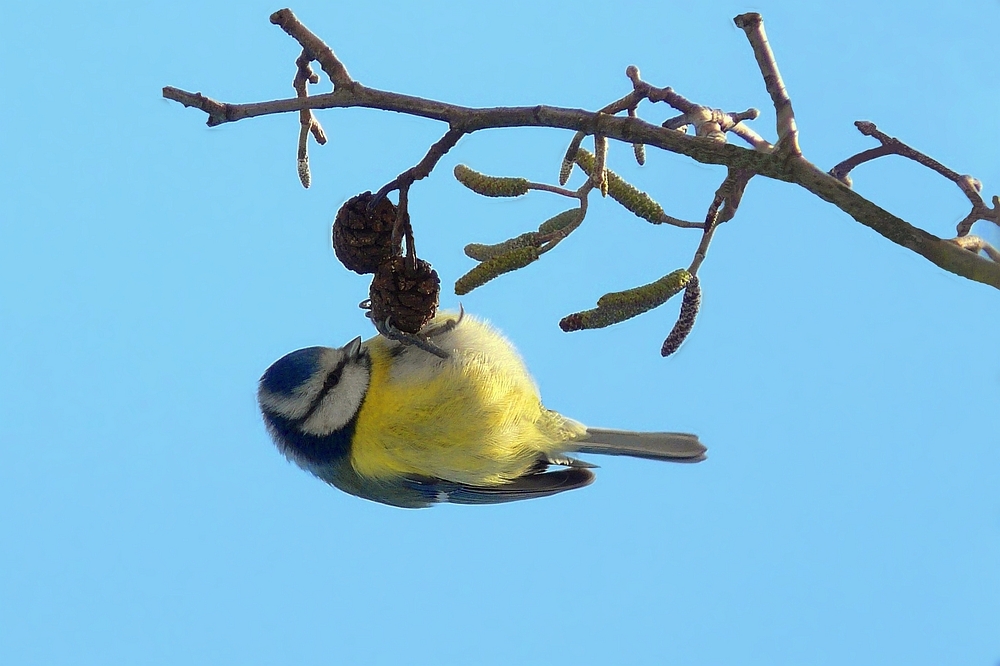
(296, 404)
(340, 404)
(290, 407)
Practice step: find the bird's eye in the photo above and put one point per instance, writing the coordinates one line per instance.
(333, 378)
(331, 381)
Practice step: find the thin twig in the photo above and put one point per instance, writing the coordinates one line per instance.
(316, 47)
(403, 228)
(600, 175)
(350, 94)
(549, 241)
(638, 149)
(632, 72)
(626, 103)
(892, 146)
(788, 134)
(976, 244)
(218, 112)
(702, 116)
(304, 75)
(758, 142)
(842, 171)
(422, 169)
(713, 123)
(545, 187)
(730, 192)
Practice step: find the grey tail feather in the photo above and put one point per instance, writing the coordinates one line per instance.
(672, 446)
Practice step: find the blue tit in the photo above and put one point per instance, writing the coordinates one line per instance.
(393, 423)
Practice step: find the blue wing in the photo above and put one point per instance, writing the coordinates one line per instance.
(527, 487)
(419, 492)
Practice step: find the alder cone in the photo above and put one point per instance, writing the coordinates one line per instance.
(362, 239)
(406, 296)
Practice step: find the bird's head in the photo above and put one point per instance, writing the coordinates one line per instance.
(310, 398)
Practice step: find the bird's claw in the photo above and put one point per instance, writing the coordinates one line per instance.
(419, 340)
(386, 329)
(449, 325)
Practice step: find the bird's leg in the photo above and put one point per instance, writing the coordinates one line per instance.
(386, 329)
(420, 340)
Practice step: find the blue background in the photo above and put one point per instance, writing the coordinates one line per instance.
(151, 269)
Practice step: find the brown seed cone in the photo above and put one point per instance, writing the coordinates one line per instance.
(363, 239)
(407, 298)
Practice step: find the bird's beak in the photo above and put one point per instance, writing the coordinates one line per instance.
(353, 348)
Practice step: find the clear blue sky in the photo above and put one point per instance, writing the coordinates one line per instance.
(151, 269)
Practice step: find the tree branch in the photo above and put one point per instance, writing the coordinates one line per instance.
(304, 75)
(730, 193)
(788, 134)
(970, 186)
(783, 163)
(977, 245)
(402, 183)
(314, 46)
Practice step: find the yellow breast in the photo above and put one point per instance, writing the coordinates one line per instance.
(474, 418)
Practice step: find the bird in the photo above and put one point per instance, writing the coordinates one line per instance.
(391, 422)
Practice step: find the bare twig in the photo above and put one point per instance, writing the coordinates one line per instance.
(756, 140)
(714, 123)
(970, 186)
(218, 112)
(314, 46)
(638, 149)
(730, 193)
(422, 169)
(545, 187)
(842, 171)
(349, 93)
(976, 244)
(304, 75)
(550, 240)
(788, 134)
(599, 177)
(708, 122)
(403, 228)
(980, 212)
(402, 183)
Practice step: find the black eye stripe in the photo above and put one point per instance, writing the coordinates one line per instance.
(332, 380)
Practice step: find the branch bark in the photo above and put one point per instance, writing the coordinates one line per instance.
(783, 163)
